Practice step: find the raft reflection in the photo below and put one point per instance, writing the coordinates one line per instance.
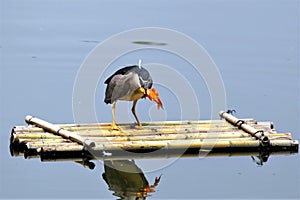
(127, 180)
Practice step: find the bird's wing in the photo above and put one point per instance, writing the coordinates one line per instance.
(121, 87)
(121, 71)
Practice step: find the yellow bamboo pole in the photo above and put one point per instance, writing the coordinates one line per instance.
(145, 131)
(62, 142)
(282, 147)
(36, 145)
(23, 138)
(148, 126)
(63, 148)
(169, 145)
(58, 130)
(19, 138)
(45, 141)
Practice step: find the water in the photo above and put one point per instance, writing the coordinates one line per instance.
(254, 44)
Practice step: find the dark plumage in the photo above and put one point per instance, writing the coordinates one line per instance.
(130, 84)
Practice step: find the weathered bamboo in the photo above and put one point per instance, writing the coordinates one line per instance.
(263, 124)
(62, 142)
(19, 138)
(172, 138)
(49, 157)
(258, 134)
(61, 152)
(48, 139)
(191, 133)
(173, 145)
(169, 145)
(36, 145)
(132, 132)
(218, 124)
(63, 148)
(58, 130)
(45, 141)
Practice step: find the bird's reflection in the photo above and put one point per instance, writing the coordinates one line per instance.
(127, 180)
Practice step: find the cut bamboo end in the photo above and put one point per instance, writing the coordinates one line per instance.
(58, 130)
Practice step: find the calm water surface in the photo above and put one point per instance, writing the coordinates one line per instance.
(255, 45)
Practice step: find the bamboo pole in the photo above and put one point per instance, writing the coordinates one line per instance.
(45, 141)
(177, 145)
(277, 147)
(36, 145)
(258, 134)
(146, 131)
(63, 148)
(23, 138)
(169, 145)
(19, 138)
(62, 142)
(264, 124)
(201, 128)
(58, 130)
(148, 126)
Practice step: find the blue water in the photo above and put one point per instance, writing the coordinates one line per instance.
(254, 44)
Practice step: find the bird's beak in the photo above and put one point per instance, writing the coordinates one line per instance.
(153, 96)
(142, 90)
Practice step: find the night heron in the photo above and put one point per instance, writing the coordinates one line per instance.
(130, 84)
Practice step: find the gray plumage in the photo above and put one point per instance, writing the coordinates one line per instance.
(124, 82)
(130, 84)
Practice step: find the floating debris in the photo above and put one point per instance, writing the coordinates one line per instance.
(151, 43)
(90, 41)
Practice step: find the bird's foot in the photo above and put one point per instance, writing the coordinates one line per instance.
(139, 127)
(115, 127)
(136, 126)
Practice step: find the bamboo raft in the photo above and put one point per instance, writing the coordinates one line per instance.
(81, 143)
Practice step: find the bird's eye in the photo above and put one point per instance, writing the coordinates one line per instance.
(144, 84)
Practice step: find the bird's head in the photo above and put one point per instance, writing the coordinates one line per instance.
(153, 96)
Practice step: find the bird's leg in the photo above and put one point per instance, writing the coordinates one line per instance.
(134, 114)
(114, 124)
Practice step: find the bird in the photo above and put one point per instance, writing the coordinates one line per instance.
(129, 83)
